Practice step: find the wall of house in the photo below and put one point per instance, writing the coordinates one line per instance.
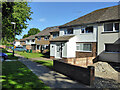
(52, 49)
(71, 47)
(17, 43)
(42, 41)
(82, 37)
(104, 38)
(30, 42)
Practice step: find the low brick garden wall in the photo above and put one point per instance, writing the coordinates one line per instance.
(80, 74)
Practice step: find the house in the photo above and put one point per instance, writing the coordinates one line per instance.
(17, 43)
(23, 42)
(30, 42)
(109, 35)
(42, 39)
(81, 40)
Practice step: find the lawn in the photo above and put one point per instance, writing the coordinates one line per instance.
(29, 55)
(48, 63)
(10, 55)
(17, 75)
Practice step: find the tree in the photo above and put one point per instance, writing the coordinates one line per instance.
(18, 12)
(26, 35)
(33, 31)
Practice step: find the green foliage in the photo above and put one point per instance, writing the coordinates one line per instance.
(33, 31)
(26, 35)
(29, 55)
(18, 12)
(17, 75)
(48, 63)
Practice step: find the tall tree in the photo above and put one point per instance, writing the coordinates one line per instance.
(18, 12)
(26, 35)
(33, 31)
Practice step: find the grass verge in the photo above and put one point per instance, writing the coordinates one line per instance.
(47, 63)
(29, 55)
(17, 75)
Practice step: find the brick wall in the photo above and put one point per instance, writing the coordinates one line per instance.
(83, 62)
(80, 74)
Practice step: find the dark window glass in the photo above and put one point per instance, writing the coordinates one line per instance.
(112, 47)
(116, 26)
(108, 27)
(89, 29)
(70, 31)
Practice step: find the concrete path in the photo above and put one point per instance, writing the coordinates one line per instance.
(49, 77)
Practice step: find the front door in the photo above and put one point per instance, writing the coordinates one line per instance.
(58, 50)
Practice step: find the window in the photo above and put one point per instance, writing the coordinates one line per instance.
(108, 27)
(88, 29)
(68, 31)
(46, 47)
(111, 27)
(27, 40)
(39, 38)
(33, 40)
(46, 38)
(112, 47)
(55, 35)
(116, 26)
(83, 47)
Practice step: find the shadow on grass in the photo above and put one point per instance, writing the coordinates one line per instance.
(46, 63)
(17, 75)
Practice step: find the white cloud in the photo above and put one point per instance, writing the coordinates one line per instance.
(42, 19)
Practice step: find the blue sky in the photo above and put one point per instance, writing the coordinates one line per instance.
(47, 14)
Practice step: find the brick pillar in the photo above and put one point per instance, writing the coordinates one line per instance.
(92, 75)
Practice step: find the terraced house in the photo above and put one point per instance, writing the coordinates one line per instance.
(42, 39)
(83, 39)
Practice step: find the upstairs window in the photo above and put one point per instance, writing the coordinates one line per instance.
(116, 26)
(27, 40)
(88, 29)
(68, 31)
(55, 35)
(84, 47)
(33, 40)
(39, 38)
(112, 47)
(109, 27)
(46, 38)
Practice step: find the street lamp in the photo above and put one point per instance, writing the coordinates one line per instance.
(13, 36)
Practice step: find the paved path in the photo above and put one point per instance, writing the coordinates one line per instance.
(49, 77)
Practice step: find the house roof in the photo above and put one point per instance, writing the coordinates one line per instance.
(105, 14)
(31, 37)
(47, 31)
(55, 30)
(62, 38)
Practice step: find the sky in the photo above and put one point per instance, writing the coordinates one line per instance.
(47, 14)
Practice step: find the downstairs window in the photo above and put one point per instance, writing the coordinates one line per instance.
(112, 47)
(84, 47)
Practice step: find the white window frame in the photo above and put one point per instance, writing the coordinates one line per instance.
(78, 44)
(113, 27)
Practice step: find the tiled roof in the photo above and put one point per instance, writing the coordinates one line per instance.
(46, 31)
(105, 14)
(31, 37)
(63, 38)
